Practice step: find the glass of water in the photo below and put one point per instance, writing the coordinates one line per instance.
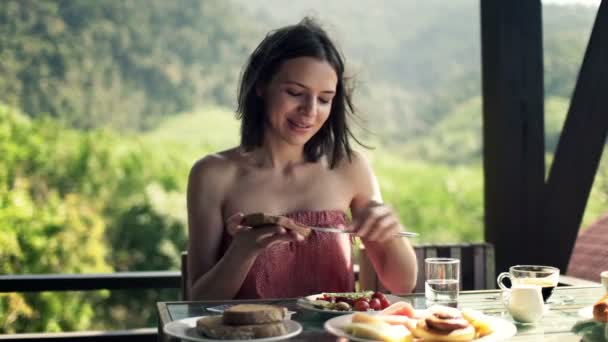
(442, 279)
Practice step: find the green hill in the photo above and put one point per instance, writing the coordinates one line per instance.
(206, 129)
(120, 63)
(126, 64)
(457, 138)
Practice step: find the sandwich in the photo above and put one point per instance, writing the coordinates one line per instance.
(600, 309)
(244, 322)
(261, 219)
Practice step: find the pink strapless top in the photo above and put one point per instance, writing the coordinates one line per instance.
(321, 263)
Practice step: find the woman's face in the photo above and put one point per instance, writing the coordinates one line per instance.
(298, 99)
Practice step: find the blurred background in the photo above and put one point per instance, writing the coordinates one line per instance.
(105, 105)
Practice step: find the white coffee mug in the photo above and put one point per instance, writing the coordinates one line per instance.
(524, 303)
(604, 276)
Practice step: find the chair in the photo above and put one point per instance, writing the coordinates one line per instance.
(477, 268)
(184, 280)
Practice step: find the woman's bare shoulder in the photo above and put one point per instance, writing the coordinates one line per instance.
(216, 166)
(357, 165)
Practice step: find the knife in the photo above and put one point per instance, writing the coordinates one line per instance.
(336, 230)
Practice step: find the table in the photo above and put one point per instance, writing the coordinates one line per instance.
(554, 326)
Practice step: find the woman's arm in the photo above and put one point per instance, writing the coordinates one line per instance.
(393, 257)
(213, 276)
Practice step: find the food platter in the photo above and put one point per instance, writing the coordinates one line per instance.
(501, 329)
(310, 302)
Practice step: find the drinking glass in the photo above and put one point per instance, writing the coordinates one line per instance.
(546, 277)
(442, 279)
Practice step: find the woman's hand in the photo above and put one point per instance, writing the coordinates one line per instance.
(254, 240)
(377, 222)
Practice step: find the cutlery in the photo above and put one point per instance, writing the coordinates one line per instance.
(336, 230)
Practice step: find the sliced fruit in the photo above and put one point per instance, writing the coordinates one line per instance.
(379, 332)
(409, 323)
(400, 308)
(478, 321)
(360, 317)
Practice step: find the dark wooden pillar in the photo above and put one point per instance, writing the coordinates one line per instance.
(579, 150)
(513, 135)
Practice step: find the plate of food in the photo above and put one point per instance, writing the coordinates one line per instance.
(346, 302)
(438, 323)
(253, 322)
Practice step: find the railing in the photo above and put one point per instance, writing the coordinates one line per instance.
(88, 282)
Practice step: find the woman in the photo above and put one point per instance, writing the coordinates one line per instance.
(294, 160)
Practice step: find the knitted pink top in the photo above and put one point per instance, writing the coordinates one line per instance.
(321, 263)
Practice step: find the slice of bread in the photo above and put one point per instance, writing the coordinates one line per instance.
(261, 219)
(243, 314)
(214, 327)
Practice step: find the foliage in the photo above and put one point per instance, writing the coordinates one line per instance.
(126, 64)
(76, 202)
(458, 138)
(443, 204)
(119, 63)
(44, 230)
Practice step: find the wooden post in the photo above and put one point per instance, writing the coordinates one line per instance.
(579, 150)
(513, 135)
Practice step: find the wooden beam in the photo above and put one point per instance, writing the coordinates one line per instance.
(513, 135)
(579, 150)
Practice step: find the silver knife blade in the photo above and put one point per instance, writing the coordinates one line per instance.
(337, 230)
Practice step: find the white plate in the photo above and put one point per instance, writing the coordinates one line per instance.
(586, 312)
(219, 308)
(305, 303)
(223, 307)
(501, 329)
(186, 330)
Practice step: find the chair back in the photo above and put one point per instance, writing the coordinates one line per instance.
(184, 280)
(477, 268)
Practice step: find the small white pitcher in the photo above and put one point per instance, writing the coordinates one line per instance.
(524, 303)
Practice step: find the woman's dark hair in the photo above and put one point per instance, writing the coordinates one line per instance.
(305, 39)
